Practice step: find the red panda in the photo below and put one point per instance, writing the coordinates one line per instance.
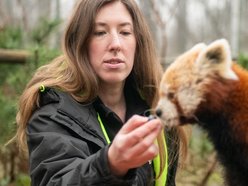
(204, 86)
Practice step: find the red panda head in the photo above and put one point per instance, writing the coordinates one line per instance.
(188, 81)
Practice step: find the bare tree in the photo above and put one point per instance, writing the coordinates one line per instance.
(182, 26)
(243, 33)
(154, 11)
(3, 17)
(235, 19)
(149, 14)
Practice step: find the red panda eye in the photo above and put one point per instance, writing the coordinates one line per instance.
(198, 81)
(170, 95)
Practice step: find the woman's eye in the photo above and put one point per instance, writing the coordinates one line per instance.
(125, 33)
(99, 33)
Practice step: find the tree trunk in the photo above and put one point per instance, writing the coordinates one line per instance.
(235, 17)
(182, 26)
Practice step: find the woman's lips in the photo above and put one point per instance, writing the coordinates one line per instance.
(113, 63)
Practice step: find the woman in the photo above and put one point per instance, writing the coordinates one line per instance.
(81, 115)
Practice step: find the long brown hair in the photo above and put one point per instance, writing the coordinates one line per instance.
(73, 73)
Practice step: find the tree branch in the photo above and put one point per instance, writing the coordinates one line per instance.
(13, 56)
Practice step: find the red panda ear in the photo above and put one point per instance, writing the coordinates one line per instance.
(198, 47)
(216, 57)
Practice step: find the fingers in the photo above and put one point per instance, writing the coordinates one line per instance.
(147, 155)
(134, 145)
(134, 122)
(142, 144)
(148, 130)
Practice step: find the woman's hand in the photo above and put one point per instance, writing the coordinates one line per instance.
(134, 144)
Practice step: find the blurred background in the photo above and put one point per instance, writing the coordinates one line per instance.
(30, 36)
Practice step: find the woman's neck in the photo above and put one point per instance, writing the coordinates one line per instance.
(113, 97)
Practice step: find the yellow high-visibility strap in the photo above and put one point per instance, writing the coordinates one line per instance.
(161, 181)
(103, 129)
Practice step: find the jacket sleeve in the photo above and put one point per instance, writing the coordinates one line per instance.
(59, 158)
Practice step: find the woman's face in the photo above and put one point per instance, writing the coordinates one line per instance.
(112, 45)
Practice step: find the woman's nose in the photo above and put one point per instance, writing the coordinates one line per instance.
(115, 44)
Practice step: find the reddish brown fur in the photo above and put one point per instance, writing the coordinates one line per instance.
(230, 97)
(238, 109)
(202, 86)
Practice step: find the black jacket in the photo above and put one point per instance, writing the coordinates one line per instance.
(67, 147)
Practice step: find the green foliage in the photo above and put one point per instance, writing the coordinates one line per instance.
(14, 77)
(243, 60)
(11, 37)
(43, 29)
(7, 116)
(42, 55)
(22, 180)
(4, 182)
(200, 144)
(10, 80)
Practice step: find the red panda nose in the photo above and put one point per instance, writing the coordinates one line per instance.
(159, 112)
